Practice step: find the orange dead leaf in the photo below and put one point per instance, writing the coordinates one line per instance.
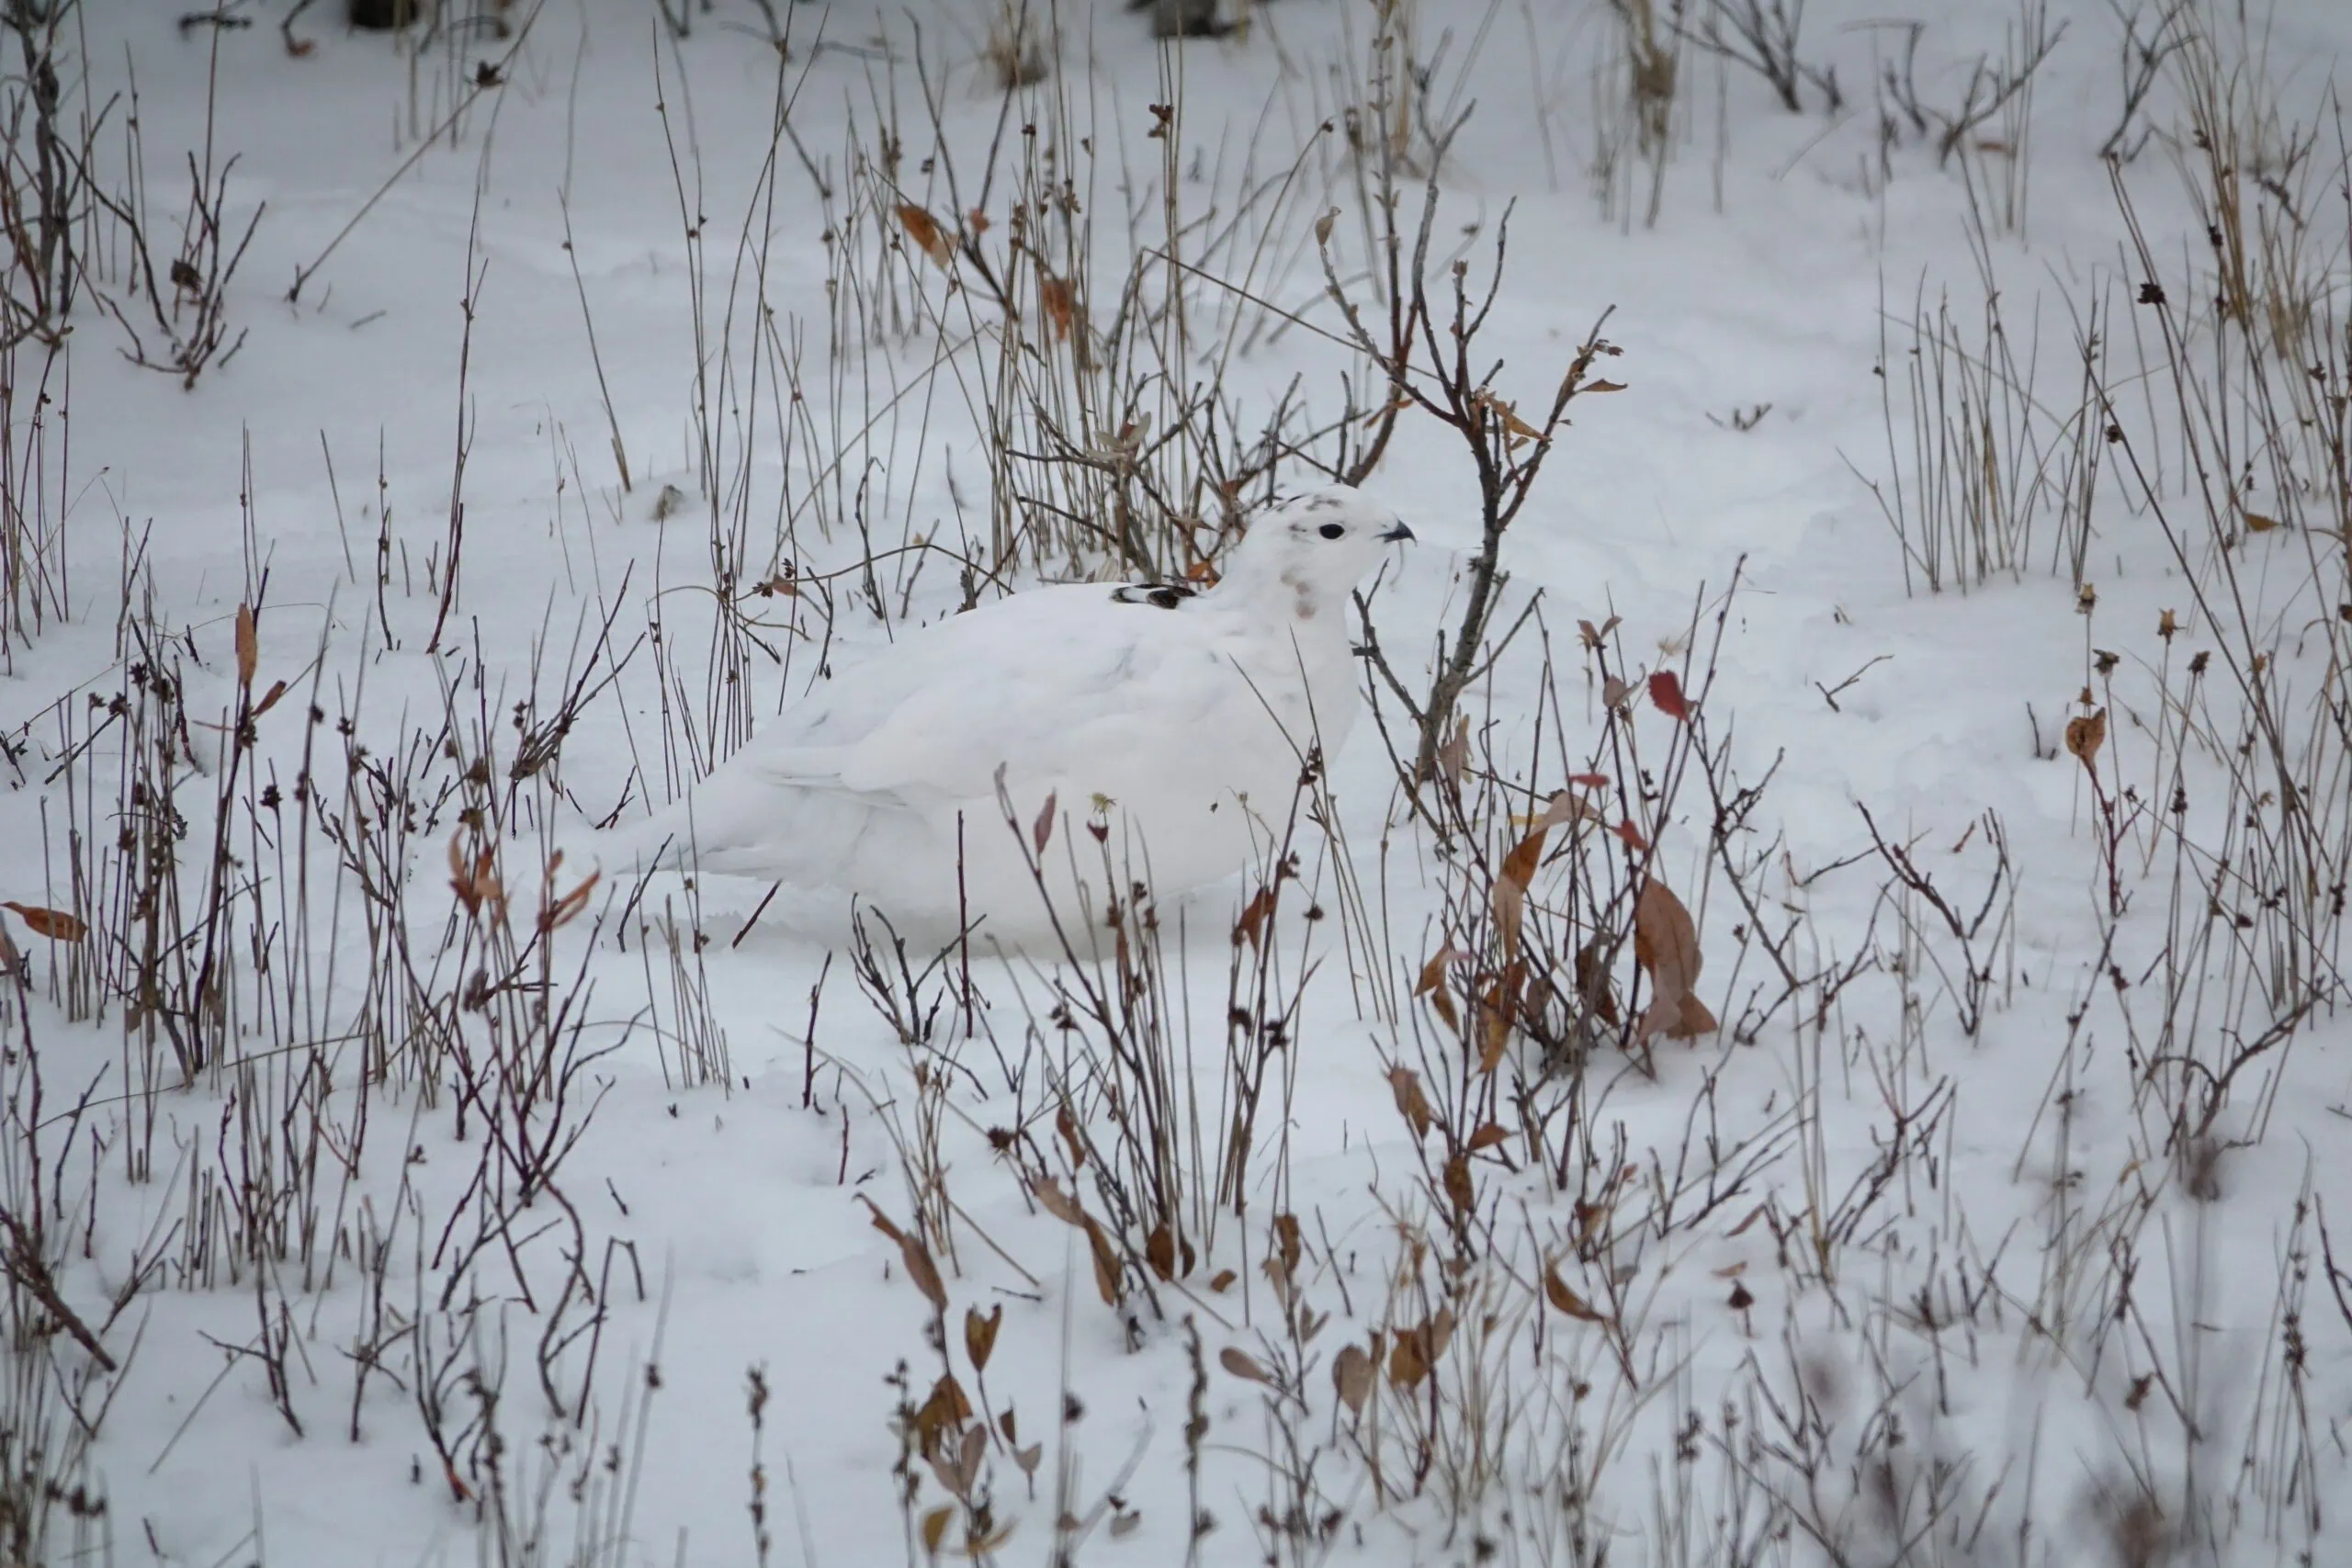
(1665, 696)
(248, 647)
(1061, 304)
(925, 231)
(54, 924)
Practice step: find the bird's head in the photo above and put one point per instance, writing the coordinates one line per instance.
(1309, 552)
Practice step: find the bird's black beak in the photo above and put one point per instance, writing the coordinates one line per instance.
(1397, 535)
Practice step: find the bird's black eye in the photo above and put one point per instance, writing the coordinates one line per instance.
(1332, 530)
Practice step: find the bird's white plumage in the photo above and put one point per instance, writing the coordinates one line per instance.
(1174, 723)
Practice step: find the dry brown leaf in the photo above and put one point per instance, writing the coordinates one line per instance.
(1043, 828)
(943, 1413)
(54, 924)
(1057, 1203)
(1454, 757)
(925, 231)
(1592, 982)
(979, 1334)
(1459, 1190)
(1351, 1373)
(1406, 1085)
(1666, 945)
(914, 1254)
(1556, 1292)
(1106, 1263)
(1240, 1364)
(1488, 1136)
(2255, 523)
(269, 698)
(2084, 735)
(248, 647)
(1254, 915)
(1061, 304)
(1614, 692)
(935, 1527)
(1290, 1241)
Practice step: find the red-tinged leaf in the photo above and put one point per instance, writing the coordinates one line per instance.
(1633, 836)
(1665, 696)
(1043, 828)
(1590, 781)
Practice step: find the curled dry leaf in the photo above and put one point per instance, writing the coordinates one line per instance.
(1432, 985)
(1251, 926)
(2085, 736)
(1556, 1292)
(54, 924)
(925, 231)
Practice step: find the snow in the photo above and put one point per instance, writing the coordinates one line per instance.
(2052, 1303)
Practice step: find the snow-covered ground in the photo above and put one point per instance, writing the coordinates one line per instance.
(1949, 611)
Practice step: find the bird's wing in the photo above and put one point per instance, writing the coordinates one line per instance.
(1044, 681)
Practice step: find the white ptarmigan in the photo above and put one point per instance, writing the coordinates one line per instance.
(1168, 726)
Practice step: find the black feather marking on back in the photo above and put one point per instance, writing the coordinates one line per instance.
(1159, 595)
